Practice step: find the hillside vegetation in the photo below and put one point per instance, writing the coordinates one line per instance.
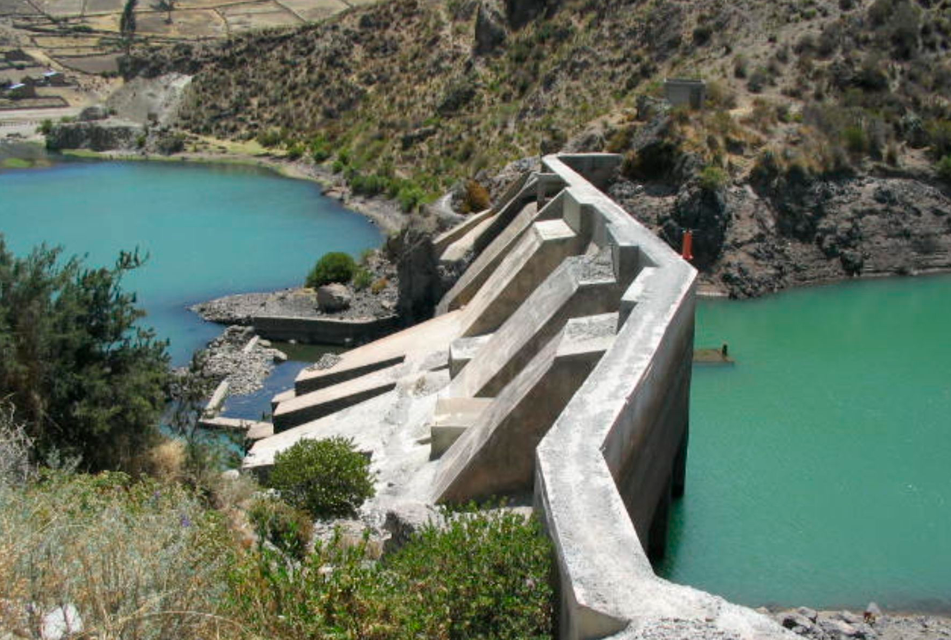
(420, 95)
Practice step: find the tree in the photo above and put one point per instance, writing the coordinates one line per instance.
(84, 376)
(127, 22)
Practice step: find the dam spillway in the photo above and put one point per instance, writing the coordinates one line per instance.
(560, 364)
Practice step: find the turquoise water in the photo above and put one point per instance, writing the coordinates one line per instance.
(209, 230)
(819, 469)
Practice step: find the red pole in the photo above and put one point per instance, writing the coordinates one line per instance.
(687, 249)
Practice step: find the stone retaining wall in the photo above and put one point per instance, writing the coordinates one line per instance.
(322, 330)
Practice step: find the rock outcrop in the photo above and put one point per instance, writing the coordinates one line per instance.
(103, 135)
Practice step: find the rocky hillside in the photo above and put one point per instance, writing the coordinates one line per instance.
(822, 151)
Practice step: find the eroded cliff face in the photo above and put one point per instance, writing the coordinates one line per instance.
(749, 241)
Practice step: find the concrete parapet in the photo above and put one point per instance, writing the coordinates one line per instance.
(605, 469)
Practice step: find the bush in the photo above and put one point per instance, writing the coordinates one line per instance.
(854, 139)
(484, 575)
(476, 198)
(410, 197)
(288, 529)
(320, 149)
(270, 138)
(713, 178)
(46, 127)
(362, 279)
(939, 136)
(326, 477)
(86, 379)
(332, 267)
(944, 169)
(295, 151)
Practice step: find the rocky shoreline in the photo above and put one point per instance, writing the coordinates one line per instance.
(235, 356)
(838, 625)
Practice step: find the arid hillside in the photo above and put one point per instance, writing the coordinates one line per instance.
(820, 151)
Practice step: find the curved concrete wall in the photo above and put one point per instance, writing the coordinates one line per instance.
(607, 468)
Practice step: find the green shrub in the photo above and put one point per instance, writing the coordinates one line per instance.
(269, 138)
(944, 169)
(939, 135)
(713, 178)
(323, 477)
(485, 575)
(855, 139)
(320, 148)
(370, 185)
(86, 378)
(410, 197)
(46, 127)
(295, 151)
(362, 279)
(285, 527)
(332, 267)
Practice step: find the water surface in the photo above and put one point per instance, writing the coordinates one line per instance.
(210, 230)
(819, 468)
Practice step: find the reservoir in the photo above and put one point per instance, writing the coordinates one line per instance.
(819, 466)
(209, 230)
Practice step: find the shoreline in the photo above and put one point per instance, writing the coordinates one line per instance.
(382, 212)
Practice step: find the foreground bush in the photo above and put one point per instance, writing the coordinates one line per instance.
(286, 528)
(485, 576)
(326, 478)
(85, 377)
(332, 267)
(138, 560)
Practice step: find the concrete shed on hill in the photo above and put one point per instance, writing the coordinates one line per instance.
(679, 91)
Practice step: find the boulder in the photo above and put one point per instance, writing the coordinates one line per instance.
(95, 112)
(61, 622)
(521, 12)
(333, 297)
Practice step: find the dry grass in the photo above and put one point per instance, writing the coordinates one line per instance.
(139, 560)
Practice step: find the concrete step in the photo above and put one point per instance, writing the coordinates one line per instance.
(415, 342)
(539, 252)
(316, 404)
(451, 419)
(495, 454)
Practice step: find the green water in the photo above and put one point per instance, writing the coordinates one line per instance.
(819, 468)
(209, 230)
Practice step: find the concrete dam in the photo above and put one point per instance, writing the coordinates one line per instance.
(557, 368)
